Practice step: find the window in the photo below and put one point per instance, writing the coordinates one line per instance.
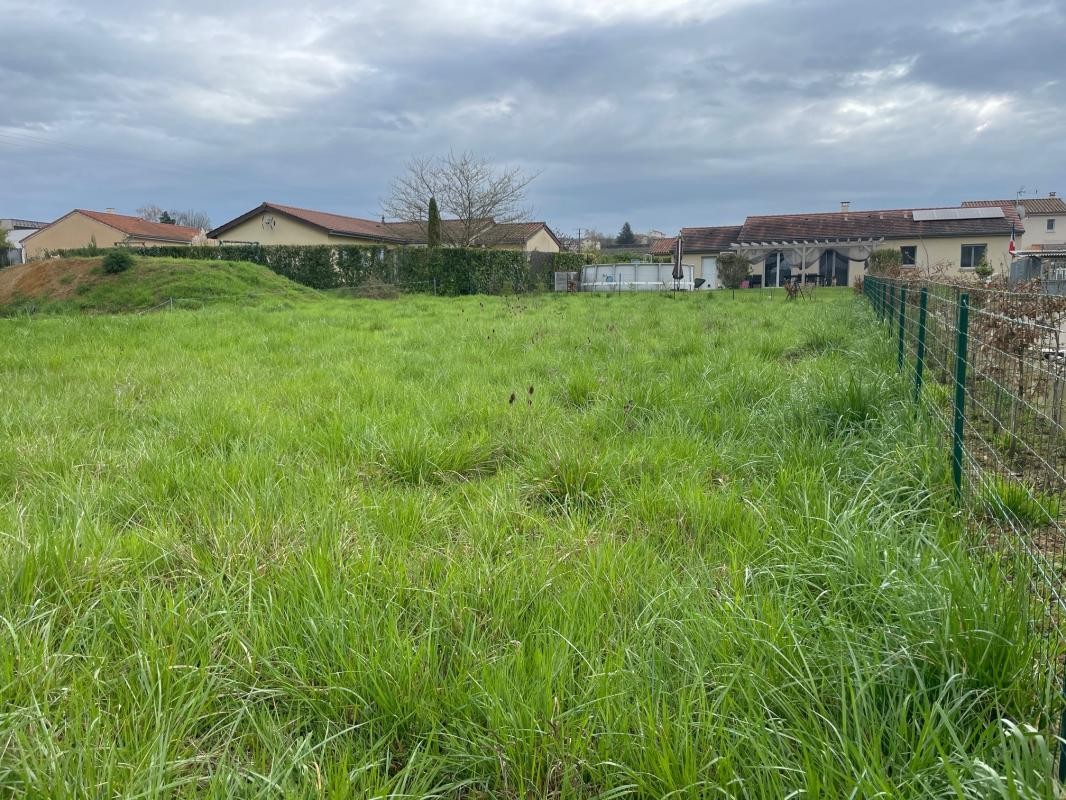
(1050, 225)
(908, 256)
(972, 255)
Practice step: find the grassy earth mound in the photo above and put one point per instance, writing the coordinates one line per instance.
(80, 285)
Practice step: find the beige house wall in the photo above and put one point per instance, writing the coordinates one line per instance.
(74, 230)
(77, 230)
(285, 230)
(946, 252)
(694, 261)
(943, 252)
(541, 242)
(1036, 232)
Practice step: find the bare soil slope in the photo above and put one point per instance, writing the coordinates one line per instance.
(55, 279)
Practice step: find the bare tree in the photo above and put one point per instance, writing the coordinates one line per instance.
(473, 194)
(150, 212)
(190, 218)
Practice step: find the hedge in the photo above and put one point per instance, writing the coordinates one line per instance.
(451, 271)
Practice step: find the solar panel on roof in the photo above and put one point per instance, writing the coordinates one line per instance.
(940, 214)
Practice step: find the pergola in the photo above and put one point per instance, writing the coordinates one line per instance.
(808, 252)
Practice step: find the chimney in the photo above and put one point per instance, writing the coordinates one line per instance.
(109, 210)
(845, 205)
(1052, 194)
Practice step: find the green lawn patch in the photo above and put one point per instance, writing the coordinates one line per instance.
(540, 546)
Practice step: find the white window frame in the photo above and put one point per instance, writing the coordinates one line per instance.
(983, 246)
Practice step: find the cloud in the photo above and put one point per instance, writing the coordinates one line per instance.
(667, 114)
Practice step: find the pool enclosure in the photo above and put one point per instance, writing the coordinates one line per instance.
(635, 277)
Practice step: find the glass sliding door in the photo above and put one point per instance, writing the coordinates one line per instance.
(833, 269)
(777, 270)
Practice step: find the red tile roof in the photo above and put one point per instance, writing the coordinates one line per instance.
(1032, 205)
(451, 230)
(142, 228)
(338, 223)
(889, 224)
(709, 240)
(517, 233)
(663, 247)
(335, 224)
(490, 233)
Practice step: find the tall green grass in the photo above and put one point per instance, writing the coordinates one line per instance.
(319, 551)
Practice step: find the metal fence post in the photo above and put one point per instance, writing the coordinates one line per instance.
(961, 341)
(919, 362)
(902, 327)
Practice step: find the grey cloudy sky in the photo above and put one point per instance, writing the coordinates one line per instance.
(664, 113)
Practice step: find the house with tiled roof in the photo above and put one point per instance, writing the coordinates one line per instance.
(832, 247)
(273, 223)
(528, 236)
(1043, 218)
(700, 250)
(663, 247)
(85, 228)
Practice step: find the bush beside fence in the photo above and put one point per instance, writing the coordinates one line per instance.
(450, 271)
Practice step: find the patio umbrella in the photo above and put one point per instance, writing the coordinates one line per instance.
(679, 271)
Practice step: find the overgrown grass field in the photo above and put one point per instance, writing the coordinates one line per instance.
(552, 547)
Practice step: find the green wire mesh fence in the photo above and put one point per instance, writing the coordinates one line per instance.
(988, 367)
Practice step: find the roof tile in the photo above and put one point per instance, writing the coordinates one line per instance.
(337, 223)
(1032, 205)
(135, 226)
(889, 224)
(663, 247)
(695, 240)
(517, 233)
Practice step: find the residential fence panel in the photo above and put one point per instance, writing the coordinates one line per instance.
(987, 366)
